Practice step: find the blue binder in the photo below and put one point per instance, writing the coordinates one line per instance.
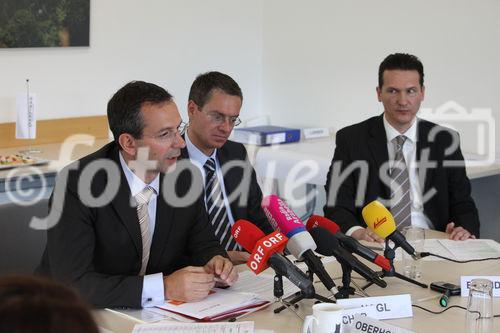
(266, 135)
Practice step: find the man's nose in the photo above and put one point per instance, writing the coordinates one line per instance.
(179, 141)
(227, 125)
(402, 99)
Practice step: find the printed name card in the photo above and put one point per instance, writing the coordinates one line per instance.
(363, 324)
(386, 307)
(349, 314)
(465, 284)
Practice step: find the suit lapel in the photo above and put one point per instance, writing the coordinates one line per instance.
(232, 177)
(121, 203)
(424, 147)
(378, 145)
(163, 224)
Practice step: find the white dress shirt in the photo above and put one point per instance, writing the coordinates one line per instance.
(153, 291)
(198, 158)
(418, 218)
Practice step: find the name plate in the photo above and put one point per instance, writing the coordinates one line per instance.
(465, 284)
(363, 324)
(349, 315)
(386, 307)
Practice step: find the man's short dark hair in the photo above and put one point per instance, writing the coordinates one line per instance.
(401, 61)
(205, 84)
(124, 108)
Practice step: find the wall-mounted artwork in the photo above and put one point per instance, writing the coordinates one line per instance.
(44, 23)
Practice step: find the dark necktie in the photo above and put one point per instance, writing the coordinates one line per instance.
(216, 208)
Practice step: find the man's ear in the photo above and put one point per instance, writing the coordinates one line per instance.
(128, 144)
(192, 108)
(379, 92)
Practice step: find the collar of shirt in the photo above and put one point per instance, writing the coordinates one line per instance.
(197, 156)
(136, 184)
(391, 132)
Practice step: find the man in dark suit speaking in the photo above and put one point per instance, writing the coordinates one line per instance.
(229, 180)
(414, 166)
(118, 238)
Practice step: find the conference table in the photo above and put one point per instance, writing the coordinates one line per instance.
(286, 321)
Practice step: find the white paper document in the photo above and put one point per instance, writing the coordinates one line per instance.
(150, 315)
(220, 304)
(240, 327)
(262, 285)
(472, 248)
(459, 250)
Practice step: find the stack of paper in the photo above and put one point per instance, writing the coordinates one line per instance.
(220, 304)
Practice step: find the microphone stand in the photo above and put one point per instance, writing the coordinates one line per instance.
(346, 289)
(390, 253)
(297, 297)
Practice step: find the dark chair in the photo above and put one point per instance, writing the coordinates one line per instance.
(21, 247)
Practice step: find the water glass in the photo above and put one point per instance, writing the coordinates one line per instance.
(479, 316)
(416, 237)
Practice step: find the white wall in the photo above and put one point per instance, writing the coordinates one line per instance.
(321, 57)
(303, 63)
(165, 42)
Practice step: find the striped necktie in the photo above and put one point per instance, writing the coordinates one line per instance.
(142, 199)
(216, 208)
(400, 186)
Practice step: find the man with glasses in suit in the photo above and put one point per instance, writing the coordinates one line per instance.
(231, 188)
(128, 249)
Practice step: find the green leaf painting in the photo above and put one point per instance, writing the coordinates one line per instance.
(44, 23)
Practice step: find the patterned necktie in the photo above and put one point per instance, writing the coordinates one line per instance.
(142, 199)
(216, 208)
(400, 186)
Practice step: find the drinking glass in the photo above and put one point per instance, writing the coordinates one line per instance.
(479, 315)
(416, 237)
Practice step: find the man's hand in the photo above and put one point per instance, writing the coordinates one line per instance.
(238, 257)
(458, 233)
(367, 235)
(189, 284)
(223, 269)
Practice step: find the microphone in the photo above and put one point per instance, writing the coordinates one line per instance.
(347, 242)
(300, 243)
(328, 245)
(266, 251)
(380, 220)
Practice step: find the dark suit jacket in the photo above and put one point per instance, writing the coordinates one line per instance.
(250, 209)
(99, 249)
(367, 141)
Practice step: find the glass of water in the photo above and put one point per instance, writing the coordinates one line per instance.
(479, 316)
(416, 237)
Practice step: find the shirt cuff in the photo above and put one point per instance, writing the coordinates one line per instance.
(353, 229)
(153, 291)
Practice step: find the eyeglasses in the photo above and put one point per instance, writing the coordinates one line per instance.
(218, 119)
(169, 135)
